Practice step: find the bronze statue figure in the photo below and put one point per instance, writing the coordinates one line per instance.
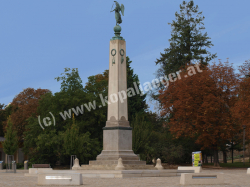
(117, 10)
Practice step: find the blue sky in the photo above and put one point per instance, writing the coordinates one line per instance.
(38, 39)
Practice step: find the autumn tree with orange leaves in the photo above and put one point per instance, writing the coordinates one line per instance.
(23, 106)
(241, 109)
(199, 102)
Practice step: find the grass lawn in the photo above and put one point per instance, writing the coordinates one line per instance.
(232, 165)
(236, 165)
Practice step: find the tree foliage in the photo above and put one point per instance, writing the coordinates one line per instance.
(5, 112)
(188, 43)
(2, 118)
(152, 140)
(84, 137)
(78, 144)
(96, 119)
(241, 108)
(137, 103)
(53, 143)
(142, 130)
(200, 105)
(24, 105)
(71, 81)
(10, 145)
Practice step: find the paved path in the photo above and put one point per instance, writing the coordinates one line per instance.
(233, 178)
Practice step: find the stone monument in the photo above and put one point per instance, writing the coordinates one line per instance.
(117, 134)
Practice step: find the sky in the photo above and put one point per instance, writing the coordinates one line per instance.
(38, 39)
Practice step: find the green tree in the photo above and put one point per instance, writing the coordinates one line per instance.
(88, 122)
(95, 120)
(78, 144)
(55, 141)
(141, 133)
(10, 145)
(2, 106)
(5, 111)
(188, 43)
(71, 81)
(30, 148)
(137, 103)
(152, 139)
(2, 118)
(46, 146)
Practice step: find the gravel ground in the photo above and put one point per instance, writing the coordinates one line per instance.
(232, 177)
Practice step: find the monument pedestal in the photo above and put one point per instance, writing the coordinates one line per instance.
(117, 143)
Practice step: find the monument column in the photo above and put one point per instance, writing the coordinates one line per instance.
(117, 89)
(117, 134)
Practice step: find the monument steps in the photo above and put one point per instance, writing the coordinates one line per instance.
(112, 167)
(115, 162)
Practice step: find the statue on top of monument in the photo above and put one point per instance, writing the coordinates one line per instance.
(117, 10)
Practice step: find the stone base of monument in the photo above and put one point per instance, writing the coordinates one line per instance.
(205, 179)
(196, 169)
(117, 143)
(126, 173)
(108, 160)
(109, 173)
(63, 179)
(248, 170)
(112, 167)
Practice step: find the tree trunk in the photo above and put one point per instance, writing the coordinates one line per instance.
(232, 152)
(203, 156)
(216, 159)
(224, 157)
(205, 159)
